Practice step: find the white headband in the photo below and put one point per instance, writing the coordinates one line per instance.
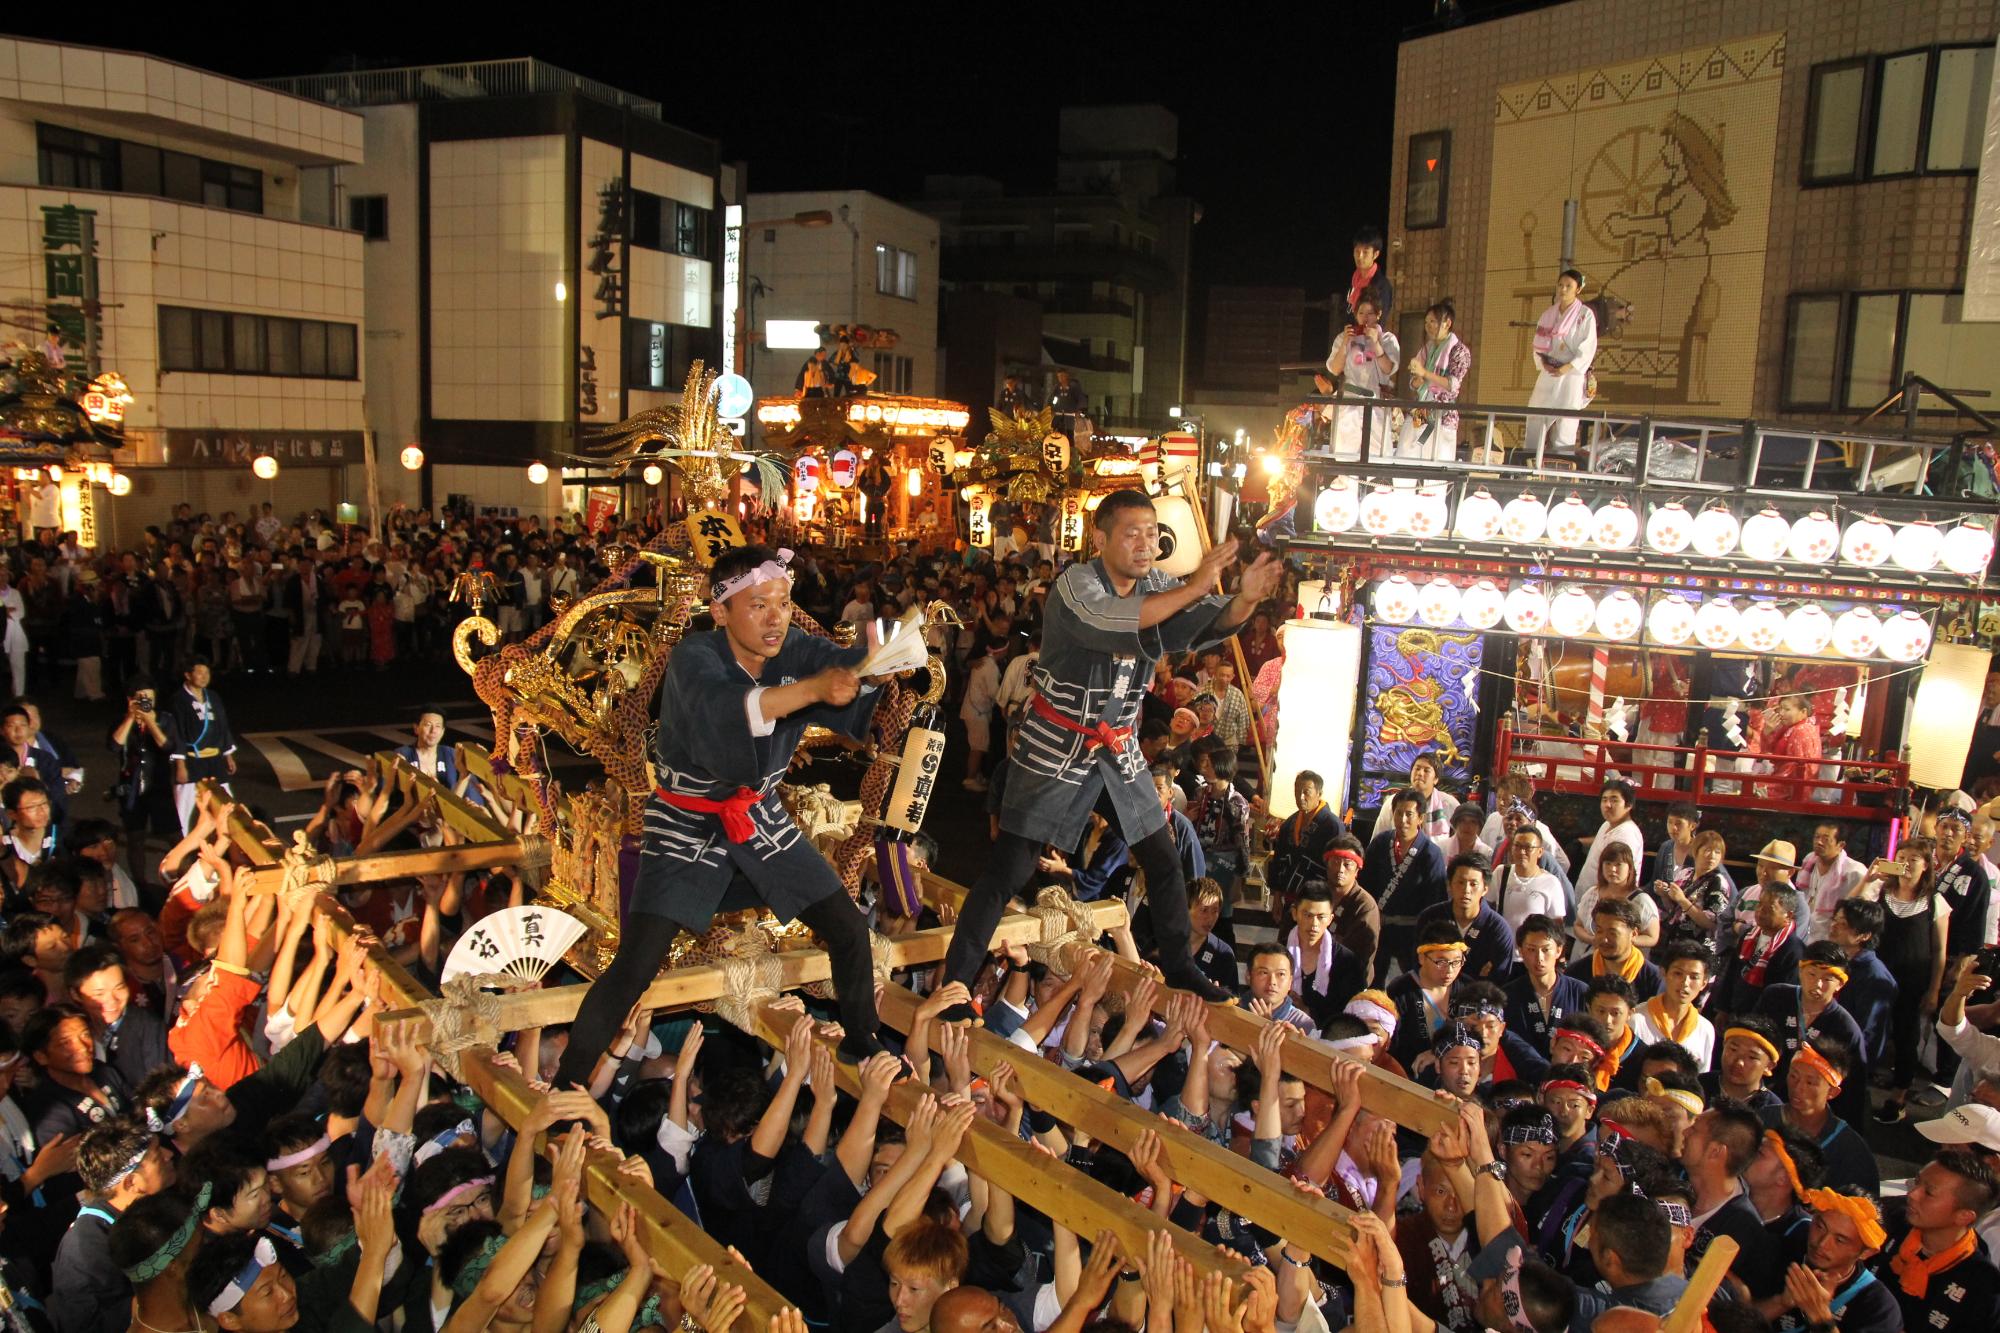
(1365, 1041)
(300, 1156)
(722, 590)
(261, 1258)
(1370, 1012)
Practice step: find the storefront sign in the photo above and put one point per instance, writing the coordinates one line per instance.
(604, 245)
(586, 382)
(69, 272)
(79, 510)
(236, 448)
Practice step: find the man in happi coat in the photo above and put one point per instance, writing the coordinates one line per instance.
(1077, 747)
(732, 710)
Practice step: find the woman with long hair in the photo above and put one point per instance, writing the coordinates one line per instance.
(1436, 374)
(1914, 922)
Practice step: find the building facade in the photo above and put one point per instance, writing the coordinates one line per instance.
(542, 255)
(1776, 216)
(872, 262)
(176, 227)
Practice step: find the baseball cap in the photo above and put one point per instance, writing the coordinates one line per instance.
(1971, 1124)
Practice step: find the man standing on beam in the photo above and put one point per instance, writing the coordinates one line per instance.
(732, 709)
(1075, 749)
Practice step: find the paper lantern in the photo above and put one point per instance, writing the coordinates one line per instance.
(1715, 623)
(1761, 627)
(1669, 528)
(1670, 621)
(1317, 691)
(652, 475)
(538, 473)
(412, 457)
(1867, 541)
(1968, 550)
(1524, 518)
(1395, 600)
(1808, 630)
(1716, 531)
(1427, 512)
(1527, 609)
(1571, 524)
(1814, 538)
(1947, 708)
(913, 482)
(264, 466)
(1179, 451)
(1917, 547)
(1572, 612)
(120, 484)
(1618, 614)
(978, 520)
(1437, 604)
(1337, 508)
(1055, 451)
(1312, 592)
(1180, 536)
(1384, 511)
(1617, 526)
(1482, 605)
(1478, 517)
(1905, 638)
(1765, 535)
(1857, 632)
(843, 467)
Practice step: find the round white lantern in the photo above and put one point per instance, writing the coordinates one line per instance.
(1815, 538)
(1761, 627)
(1906, 637)
(1572, 612)
(1670, 621)
(264, 466)
(1437, 604)
(1669, 528)
(1808, 630)
(538, 474)
(1571, 524)
(1427, 512)
(1765, 535)
(1917, 548)
(1337, 508)
(412, 457)
(1527, 609)
(1618, 615)
(653, 475)
(1617, 526)
(1482, 605)
(1968, 549)
(1524, 518)
(1716, 531)
(1867, 541)
(1857, 632)
(1395, 600)
(1383, 511)
(1478, 516)
(1715, 623)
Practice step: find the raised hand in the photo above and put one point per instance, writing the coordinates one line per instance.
(690, 1048)
(1106, 1258)
(825, 1081)
(1345, 1078)
(943, 998)
(878, 1075)
(1224, 1314)
(1260, 1311)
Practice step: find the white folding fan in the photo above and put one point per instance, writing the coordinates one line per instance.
(522, 942)
(900, 646)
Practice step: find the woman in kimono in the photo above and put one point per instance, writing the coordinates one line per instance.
(1076, 749)
(1365, 356)
(1565, 345)
(1431, 434)
(732, 710)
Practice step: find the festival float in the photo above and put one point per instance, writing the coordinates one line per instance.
(60, 432)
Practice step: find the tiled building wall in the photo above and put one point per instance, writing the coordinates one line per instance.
(1881, 234)
(603, 336)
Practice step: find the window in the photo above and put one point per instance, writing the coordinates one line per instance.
(1427, 172)
(73, 160)
(1847, 352)
(657, 356)
(1911, 113)
(235, 343)
(369, 215)
(895, 272)
(691, 231)
(646, 220)
(674, 227)
(181, 177)
(893, 373)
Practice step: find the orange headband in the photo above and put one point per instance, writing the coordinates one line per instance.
(1867, 1217)
(1459, 947)
(1757, 1037)
(1830, 969)
(1818, 1063)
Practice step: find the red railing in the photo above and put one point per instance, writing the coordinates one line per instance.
(1721, 779)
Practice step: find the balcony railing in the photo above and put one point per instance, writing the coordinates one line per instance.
(520, 77)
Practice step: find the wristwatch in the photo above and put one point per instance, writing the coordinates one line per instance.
(1495, 1169)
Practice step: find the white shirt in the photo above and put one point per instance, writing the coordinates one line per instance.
(1586, 903)
(1526, 895)
(1437, 820)
(1700, 1043)
(1495, 833)
(1626, 832)
(1823, 886)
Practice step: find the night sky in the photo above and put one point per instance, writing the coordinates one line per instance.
(1284, 121)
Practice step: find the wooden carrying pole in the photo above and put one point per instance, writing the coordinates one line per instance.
(1308, 1221)
(1715, 1264)
(1066, 1196)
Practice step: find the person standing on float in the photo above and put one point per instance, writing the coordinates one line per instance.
(733, 707)
(1565, 346)
(1076, 748)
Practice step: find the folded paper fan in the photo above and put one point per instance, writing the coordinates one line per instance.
(902, 648)
(522, 942)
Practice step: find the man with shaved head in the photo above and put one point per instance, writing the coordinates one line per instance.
(972, 1310)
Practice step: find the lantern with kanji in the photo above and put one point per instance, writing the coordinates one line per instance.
(1074, 520)
(1055, 452)
(979, 519)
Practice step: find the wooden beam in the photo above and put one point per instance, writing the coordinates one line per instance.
(1235, 1182)
(1009, 1162)
(685, 986)
(475, 824)
(671, 1236)
(1715, 1264)
(402, 864)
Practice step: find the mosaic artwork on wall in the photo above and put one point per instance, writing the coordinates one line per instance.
(1669, 160)
(1420, 683)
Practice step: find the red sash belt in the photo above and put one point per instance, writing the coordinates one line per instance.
(1104, 734)
(735, 810)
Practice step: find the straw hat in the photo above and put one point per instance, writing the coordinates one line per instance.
(1779, 853)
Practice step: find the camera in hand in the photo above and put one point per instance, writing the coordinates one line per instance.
(1986, 961)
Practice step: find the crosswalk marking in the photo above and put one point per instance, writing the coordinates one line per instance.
(282, 749)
